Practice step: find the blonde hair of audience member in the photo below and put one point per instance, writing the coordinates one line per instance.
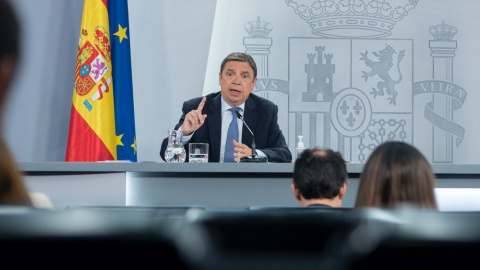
(12, 189)
(396, 174)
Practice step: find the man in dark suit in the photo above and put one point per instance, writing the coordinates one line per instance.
(206, 119)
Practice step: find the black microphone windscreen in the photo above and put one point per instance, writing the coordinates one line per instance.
(238, 115)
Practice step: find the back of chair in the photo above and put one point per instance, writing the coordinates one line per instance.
(264, 239)
(140, 212)
(298, 208)
(85, 238)
(418, 240)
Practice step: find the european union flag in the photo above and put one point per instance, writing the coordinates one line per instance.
(122, 80)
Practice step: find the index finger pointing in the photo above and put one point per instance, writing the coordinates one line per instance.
(202, 103)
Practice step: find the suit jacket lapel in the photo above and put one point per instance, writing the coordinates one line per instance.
(250, 117)
(214, 119)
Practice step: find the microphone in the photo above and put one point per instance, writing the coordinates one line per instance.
(253, 158)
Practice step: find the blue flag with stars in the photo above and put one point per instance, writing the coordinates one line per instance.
(122, 80)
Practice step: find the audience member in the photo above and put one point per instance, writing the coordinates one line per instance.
(12, 189)
(320, 178)
(396, 174)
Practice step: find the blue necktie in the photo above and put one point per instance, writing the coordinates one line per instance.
(231, 135)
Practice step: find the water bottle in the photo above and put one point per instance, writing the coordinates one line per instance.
(175, 152)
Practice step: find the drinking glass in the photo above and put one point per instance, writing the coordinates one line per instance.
(198, 152)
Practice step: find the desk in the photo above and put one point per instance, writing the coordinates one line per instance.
(212, 185)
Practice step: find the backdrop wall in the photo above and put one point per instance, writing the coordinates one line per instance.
(177, 47)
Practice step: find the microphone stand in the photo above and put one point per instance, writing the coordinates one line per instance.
(253, 158)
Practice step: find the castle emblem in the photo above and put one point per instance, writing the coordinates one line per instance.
(319, 76)
(86, 56)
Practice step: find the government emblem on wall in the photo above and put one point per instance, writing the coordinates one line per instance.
(351, 87)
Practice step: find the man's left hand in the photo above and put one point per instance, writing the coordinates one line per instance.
(241, 150)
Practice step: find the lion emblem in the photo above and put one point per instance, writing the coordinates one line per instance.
(382, 68)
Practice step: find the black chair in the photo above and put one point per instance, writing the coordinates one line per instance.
(417, 240)
(84, 239)
(297, 208)
(159, 213)
(264, 239)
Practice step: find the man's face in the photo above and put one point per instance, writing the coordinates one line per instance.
(236, 82)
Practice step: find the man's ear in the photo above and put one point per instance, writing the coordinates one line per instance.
(296, 193)
(342, 191)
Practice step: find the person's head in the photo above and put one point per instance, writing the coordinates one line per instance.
(237, 78)
(9, 46)
(319, 176)
(396, 174)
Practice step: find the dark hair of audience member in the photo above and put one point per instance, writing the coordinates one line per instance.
(396, 174)
(319, 176)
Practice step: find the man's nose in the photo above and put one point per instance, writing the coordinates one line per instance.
(236, 80)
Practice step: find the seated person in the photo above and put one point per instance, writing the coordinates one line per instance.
(12, 189)
(396, 174)
(211, 119)
(320, 178)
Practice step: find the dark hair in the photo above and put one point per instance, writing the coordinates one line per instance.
(319, 174)
(12, 189)
(240, 57)
(9, 30)
(396, 173)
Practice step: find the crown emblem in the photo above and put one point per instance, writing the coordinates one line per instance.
(352, 18)
(443, 31)
(258, 28)
(102, 41)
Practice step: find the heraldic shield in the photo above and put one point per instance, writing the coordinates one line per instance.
(351, 94)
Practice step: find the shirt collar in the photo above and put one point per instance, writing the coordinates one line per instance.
(226, 106)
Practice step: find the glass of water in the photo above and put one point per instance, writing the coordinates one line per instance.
(198, 152)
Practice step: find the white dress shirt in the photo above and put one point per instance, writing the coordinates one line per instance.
(226, 119)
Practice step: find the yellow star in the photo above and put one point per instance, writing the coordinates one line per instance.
(119, 139)
(121, 33)
(134, 146)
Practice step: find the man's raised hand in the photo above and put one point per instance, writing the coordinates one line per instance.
(194, 119)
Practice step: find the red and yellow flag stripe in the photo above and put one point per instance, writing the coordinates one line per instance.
(92, 120)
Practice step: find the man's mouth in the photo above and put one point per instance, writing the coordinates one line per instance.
(234, 90)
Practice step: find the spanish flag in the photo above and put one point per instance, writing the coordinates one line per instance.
(92, 134)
